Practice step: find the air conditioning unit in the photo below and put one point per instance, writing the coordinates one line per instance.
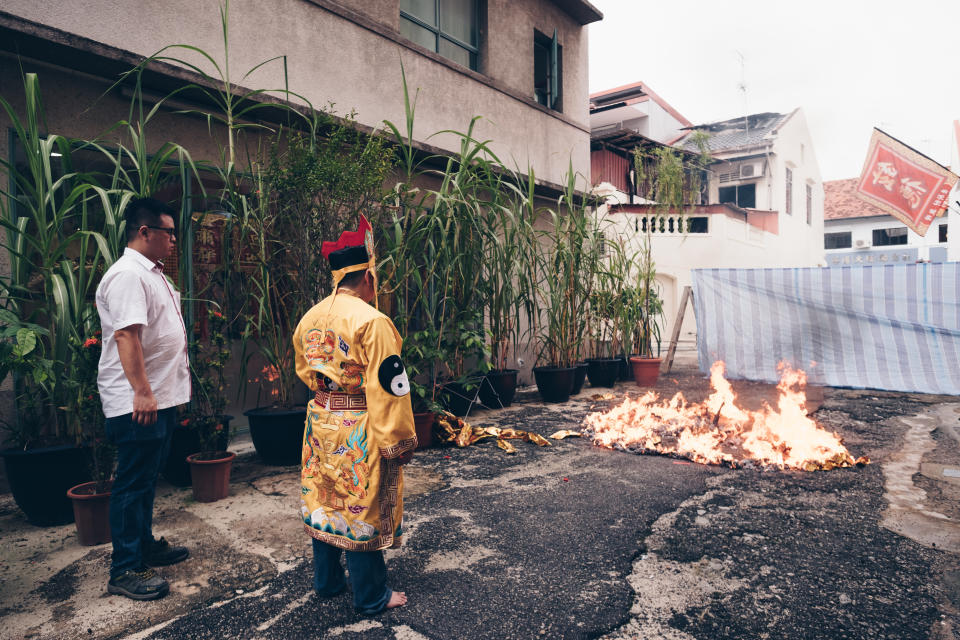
(751, 170)
(860, 244)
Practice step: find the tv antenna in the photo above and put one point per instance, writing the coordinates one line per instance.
(742, 88)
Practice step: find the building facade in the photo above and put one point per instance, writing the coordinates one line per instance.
(856, 232)
(760, 201)
(521, 66)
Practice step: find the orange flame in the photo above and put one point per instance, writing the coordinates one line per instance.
(719, 432)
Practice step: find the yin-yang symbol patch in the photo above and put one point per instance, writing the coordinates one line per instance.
(393, 376)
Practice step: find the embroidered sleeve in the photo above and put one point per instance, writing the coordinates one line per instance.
(387, 389)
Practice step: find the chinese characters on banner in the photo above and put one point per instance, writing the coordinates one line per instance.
(905, 183)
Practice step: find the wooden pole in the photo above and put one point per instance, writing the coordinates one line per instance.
(675, 336)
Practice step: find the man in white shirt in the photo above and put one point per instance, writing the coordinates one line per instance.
(143, 376)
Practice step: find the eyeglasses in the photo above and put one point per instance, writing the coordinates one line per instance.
(170, 230)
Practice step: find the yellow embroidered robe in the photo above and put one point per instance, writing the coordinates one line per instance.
(351, 486)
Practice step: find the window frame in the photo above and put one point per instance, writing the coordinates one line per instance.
(886, 237)
(554, 79)
(836, 235)
(440, 34)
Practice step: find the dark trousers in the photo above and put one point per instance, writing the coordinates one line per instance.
(368, 576)
(141, 452)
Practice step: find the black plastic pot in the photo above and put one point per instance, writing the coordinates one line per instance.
(277, 433)
(40, 478)
(455, 398)
(603, 372)
(499, 388)
(184, 442)
(554, 383)
(579, 377)
(626, 371)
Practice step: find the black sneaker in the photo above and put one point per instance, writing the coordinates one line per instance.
(160, 553)
(144, 584)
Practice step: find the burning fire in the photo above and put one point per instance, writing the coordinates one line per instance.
(720, 432)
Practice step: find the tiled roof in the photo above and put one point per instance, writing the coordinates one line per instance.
(737, 132)
(840, 201)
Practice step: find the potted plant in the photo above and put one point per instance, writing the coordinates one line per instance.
(56, 247)
(673, 185)
(91, 500)
(210, 467)
(198, 448)
(508, 286)
(565, 280)
(310, 186)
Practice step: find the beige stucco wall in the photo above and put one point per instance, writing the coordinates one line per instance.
(332, 59)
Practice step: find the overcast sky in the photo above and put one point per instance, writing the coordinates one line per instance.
(849, 64)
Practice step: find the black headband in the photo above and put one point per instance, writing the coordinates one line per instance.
(348, 257)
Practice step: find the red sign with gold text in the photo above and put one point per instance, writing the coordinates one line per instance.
(904, 182)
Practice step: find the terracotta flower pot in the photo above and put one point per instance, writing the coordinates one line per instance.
(423, 423)
(646, 371)
(91, 512)
(211, 478)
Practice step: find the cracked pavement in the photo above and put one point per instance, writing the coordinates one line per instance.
(567, 541)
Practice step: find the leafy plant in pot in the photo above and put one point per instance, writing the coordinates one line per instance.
(675, 182)
(565, 278)
(310, 186)
(55, 248)
(204, 431)
(91, 500)
(508, 284)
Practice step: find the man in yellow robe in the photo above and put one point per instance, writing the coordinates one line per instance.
(359, 429)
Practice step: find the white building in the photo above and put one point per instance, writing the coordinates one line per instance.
(762, 204)
(856, 232)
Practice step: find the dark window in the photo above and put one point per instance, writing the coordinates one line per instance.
(697, 225)
(744, 195)
(448, 27)
(547, 70)
(809, 202)
(943, 233)
(886, 237)
(841, 240)
(789, 195)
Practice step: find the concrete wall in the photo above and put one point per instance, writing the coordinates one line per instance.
(354, 63)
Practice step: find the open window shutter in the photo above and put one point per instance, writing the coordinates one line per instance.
(554, 71)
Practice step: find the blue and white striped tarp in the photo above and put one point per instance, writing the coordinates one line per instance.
(894, 327)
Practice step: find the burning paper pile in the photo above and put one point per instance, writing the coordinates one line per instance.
(719, 432)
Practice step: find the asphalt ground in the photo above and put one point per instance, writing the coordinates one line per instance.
(566, 541)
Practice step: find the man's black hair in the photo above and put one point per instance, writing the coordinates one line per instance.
(144, 211)
(353, 279)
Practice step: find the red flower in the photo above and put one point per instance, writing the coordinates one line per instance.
(90, 342)
(185, 422)
(217, 314)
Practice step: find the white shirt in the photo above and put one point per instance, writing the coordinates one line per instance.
(135, 291)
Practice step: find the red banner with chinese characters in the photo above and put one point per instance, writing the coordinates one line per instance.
(905, 183)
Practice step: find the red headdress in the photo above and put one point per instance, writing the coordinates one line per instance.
(353, 251)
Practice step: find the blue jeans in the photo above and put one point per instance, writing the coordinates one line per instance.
(141, 453)
(368, 576)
